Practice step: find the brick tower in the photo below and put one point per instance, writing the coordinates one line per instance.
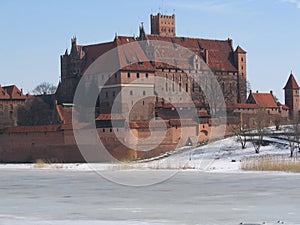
(241, 64)
(163, 25)
(291, 92)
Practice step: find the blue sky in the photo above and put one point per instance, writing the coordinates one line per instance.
(35, 33)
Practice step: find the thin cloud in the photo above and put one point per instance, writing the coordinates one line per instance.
(295, 2)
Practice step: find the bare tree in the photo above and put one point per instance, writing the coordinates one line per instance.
(260, 123)
(44, 88)
(277, 122)
(241, 131)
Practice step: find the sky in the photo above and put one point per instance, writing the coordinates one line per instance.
(35, 33)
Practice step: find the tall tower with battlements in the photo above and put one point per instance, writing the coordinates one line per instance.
(163, 25)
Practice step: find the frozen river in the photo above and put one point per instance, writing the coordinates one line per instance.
(76, 197)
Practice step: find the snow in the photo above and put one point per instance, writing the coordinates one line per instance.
(219, 156)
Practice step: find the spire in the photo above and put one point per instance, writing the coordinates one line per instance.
(66, 52)
(74, 51)
(240, 50)
(291, 83)
(142, 32)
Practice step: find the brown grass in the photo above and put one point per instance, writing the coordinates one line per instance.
(50, 163)
(271, 163)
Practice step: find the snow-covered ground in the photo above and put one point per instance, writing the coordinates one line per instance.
(220, 156)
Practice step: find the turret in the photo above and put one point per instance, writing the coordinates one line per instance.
(163, 25)
(241, 65)
(291, 92)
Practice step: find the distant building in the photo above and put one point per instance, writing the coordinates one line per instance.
(11, 97)
(291, 93)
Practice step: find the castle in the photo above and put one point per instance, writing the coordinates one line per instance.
(228, 65)
(131, 100)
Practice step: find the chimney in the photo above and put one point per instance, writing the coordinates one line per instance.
(271, 92)
(257, 92)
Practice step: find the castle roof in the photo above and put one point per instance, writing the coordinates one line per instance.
(263, 100)
(65, 114)
(3, 94)
(107, 117)
(240, 50)
(291, 83)
(129, 57)
(219, 52)
(12, 92)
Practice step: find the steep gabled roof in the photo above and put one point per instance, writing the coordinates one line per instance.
(125, 57)
(3, 94)
(240, 50)
(14, 92)
(132, 56)
(92, 52)
(263, 100)
(291, 83)
(219, 51)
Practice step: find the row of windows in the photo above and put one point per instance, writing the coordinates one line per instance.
(128, 75)
(137, 75)
(180, 86)
(165, 30)
(131, 92)
(114, 93)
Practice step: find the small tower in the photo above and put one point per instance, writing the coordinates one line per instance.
(291, 94)
(240, 61)
(163, 25)
(142, 35)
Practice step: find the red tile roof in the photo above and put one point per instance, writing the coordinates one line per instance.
(110, 117)
(146, 125)
(219, 51)
(243, 106)
(20, 129)
(291, 83)
(264, 100)
(3, 94)
(240, 50)
(14, 92)
(129, 54)
(92, 52)
(65, 114)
